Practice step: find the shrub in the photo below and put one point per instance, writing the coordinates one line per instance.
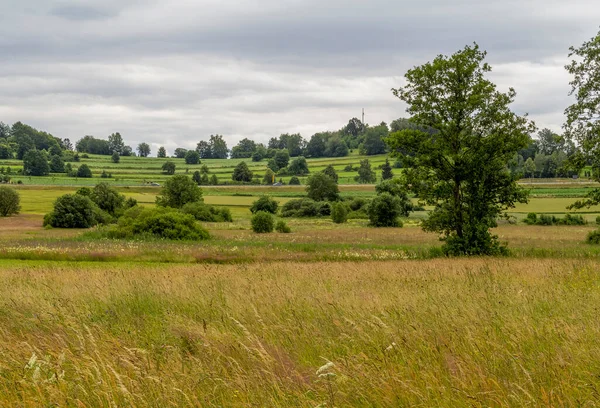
(108, 199)
(262, 222)
(192, 157)
(266, 204)
(242, 173)
(72, 211)
(339, 213)
(298, 167)
(358, 203)
(169, 168)
(320, 187)
(593, 237)
(84, 171)
(178, 191)
(207, 213)
(305, 207)
(384, 211)
(35, 163)
(598, 220)
(115, 157)
(282, 227)
(543, 219)
(9, 201)
(330, 171)
(164, 223)
(294, 181)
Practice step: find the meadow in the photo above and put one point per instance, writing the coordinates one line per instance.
(470, 332)
(329, 315)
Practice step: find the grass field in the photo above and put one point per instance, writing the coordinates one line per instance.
(471, 332)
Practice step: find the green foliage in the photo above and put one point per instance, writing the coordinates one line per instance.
(178, 191)
(108, 199)
(90, 144)
(207, 213)
(298, 167)
(598, 220)
(294, 181)
(163, 223)
(460, 167)
(9, 201)
(282, 159)
(544, 219)
(197, 178)
(180, 153)
(330, 171)
(242, 173)
(5, 152)
(214, 180)
(593, 237)
(116, 158)
(57, 165)
(162, 152)
(73, 211)
(266, 204)
(192, 157)
(384, 211)
(269, 177)
(282, 227)
(35, 163)
(386, 170)
(84, 171)
(396, 188)
(305, 207)
(365, 174)
(143, 149)
(373, 140)
(320, 187)
(339, 213)
(262, 222)
(169, 168)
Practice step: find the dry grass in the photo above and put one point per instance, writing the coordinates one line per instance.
(414, 333)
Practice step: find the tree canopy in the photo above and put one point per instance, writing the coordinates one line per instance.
(461, 168)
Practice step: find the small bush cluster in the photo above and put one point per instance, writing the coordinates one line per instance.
(262, 222)
(207, 213)
(282, 227)
(158, 222)
(266, 204)
(305, 207)
(594, 237)
(543, 219)
(339, 213)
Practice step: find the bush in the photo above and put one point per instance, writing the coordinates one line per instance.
(108, 199)
(266, 204)
(384, 211)
(168, 168)
(543, 219)
(9, 201)
(358, 203)
(282, 227)
(320, 187)
(73, 211)
(305, 207)
(35, 163)
(294, 181)
(242, 173)
(178, 191)
(164, 223)
(207, 213)
(593, 237)
(84, 171)
(262, 222)
(339, 213)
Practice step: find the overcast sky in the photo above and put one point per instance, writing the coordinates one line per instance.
(173, 72)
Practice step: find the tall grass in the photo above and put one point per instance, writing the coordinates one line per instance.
(414, 333)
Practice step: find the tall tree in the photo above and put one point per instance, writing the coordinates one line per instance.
(366, 175)
(243, 149)
(162, 152)
(35, 163)
(373, 140)
(218, 147)
(115, 143)
(180, 152)
(386, 170)
(143, 149)
(583, 116)
(242, 173)
(204, 149)
(461, 169)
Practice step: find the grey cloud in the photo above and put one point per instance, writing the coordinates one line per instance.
(174, 72)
